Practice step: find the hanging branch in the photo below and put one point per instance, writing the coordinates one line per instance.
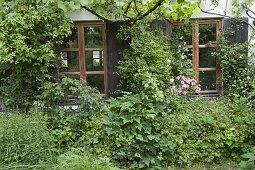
(95, 13)
(227, 16)
(131, 20)
(128, 6)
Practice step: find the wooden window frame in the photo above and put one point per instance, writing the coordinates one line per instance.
(83, 73)
(195, 53)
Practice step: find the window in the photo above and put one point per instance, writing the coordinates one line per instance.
(84, 54)
(200, 37)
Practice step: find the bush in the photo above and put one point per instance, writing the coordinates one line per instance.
(68, 125)
(137, 123)
(24, 139)
(31, 31)
(248, 162)
(211, 131)
(236, 57)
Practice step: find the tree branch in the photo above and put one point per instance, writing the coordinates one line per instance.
(222, 15)
(128, 6)
(138, 12)
(95, 13)
(133, 20)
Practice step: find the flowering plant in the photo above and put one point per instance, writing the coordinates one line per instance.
(184, 85)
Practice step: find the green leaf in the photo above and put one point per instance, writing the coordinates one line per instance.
(197, 10)
(62, 6)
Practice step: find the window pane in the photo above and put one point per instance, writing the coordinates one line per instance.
(72, 40)
(207, 80)
(96, 81)
(207, 58)
(70, 61)
(94, 60)
(93, 37)
(182, 33)
(207, 33)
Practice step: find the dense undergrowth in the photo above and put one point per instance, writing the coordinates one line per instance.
(157, 123)
(134, 131)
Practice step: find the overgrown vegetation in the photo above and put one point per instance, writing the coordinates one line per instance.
(28, 37)
(235, 57)
(152, 126)
(25, 139)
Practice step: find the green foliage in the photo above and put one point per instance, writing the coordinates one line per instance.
(210, 131)
(137, 123)
(238, 70)
(133, 10)
(24, 139)
(248, 163)
(30, 30)
(68, 125)
(83, 161)
(148, 54)
(76, 159)
(182, 57)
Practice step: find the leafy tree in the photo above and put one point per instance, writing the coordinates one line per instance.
(30, 30)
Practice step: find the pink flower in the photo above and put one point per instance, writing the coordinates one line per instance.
(184, 92)
(185, 86)
(174, 89)
(193, 83)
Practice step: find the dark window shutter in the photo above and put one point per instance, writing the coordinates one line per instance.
(114, 47)
(236, 29)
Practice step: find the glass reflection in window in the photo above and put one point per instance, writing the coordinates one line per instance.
(207, 80)
(93, 37)
(94, 60)
(207, 33)
(207, 58)
(70, 61)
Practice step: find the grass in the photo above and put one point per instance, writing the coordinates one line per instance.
(227, 166)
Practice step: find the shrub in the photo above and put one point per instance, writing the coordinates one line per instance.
(210, 131)
(24, 139)
(69, 125)
(137, 124)
(31, 31)
(235, 57)
(248, 162)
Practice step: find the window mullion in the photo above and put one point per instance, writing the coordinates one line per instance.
(195, 44)
(82, 52)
